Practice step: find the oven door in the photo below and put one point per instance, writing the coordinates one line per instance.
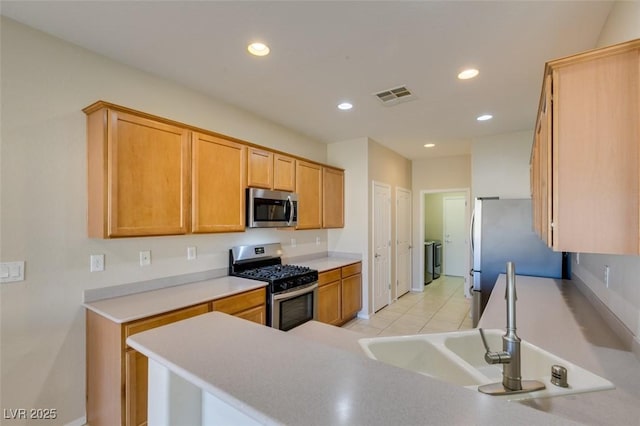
(292, 308)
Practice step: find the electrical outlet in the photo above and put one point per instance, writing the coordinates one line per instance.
(293, 242)
(577, 258)
(191, 253)
(317, 241)
(606, 276)
(145, 258)
(96, 263)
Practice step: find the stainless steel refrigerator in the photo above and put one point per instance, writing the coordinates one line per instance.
(502, 231)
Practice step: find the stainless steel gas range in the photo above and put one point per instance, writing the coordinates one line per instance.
(292, 291)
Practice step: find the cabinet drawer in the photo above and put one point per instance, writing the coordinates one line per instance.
(328, 276)
(240, 302)
(164, 319)
(349, 270)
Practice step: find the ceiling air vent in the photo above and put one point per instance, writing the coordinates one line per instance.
(394, 96)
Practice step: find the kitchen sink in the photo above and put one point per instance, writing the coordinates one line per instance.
(421, 356)
(458, 357)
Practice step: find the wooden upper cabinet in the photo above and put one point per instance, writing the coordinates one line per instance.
(218, 184)
(332, 198)
(309, 190)
(138, 175)
(592, 151)
(148, 175)
(284, 173)
(541, 167)
(269, 170)
(259, 168)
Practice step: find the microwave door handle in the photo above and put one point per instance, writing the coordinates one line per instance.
(291, 211)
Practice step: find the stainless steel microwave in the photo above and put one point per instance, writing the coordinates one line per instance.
(271, 209)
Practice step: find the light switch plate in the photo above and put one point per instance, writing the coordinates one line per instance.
(11, 271)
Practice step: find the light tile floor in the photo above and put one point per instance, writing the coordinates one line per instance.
(441, 307)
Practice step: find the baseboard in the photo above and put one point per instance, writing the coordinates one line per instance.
(628, 339)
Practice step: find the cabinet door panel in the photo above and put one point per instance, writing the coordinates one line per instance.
(332, 198)
(136, 387)
(284, 173)
(595, 155)
(218, 184)
(260, 168)
(541, 168)
(329, 303)
(309, 190)
(148, 172)
(351, 296)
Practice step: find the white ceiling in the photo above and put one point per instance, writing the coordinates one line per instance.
(323, 52)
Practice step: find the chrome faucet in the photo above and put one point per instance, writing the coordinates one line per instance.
(509, 357)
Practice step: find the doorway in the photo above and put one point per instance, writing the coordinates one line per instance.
(455, 235)
(381, 231)
(432, 228)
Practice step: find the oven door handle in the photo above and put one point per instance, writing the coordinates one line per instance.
(290, 294)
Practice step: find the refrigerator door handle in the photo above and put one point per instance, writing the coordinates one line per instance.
(471, 228)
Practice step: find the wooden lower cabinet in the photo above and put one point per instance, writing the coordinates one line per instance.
(329, 303)
(117, 374)
(340, 294)
(136, 385)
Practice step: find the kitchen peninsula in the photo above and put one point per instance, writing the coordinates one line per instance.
(271, 377)
(259, 375)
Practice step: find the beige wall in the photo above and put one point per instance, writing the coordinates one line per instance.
(388, 167)
(366, 161)
(500, 165)
(434, 175)
(45, 84)
(622, 24)
(352, 156)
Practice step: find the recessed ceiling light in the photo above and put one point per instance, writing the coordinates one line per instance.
(468, 73)
(485, 117)
(429, 145)
(258, 49)
(345, 106)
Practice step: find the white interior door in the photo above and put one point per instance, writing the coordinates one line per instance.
(381, 245)
(455, 236)
(403, 241)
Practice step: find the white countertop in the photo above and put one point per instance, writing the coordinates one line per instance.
(554, 315)
(327, 263)
(140, 305)
(277, 377)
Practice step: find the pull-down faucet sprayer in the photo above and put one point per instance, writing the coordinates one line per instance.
(509, 357)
